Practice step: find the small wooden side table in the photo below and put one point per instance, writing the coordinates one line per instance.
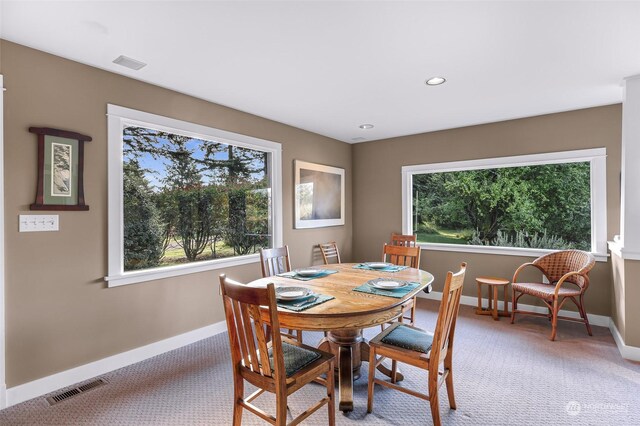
(493, 284)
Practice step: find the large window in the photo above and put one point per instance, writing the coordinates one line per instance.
(186, 198)
(521, 205)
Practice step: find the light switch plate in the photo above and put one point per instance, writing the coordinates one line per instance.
(38, 222)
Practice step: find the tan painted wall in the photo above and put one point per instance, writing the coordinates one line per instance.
(59, 312)
(377, 184)
(632, 303)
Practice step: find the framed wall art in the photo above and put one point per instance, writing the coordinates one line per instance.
(319, 195)
(60, 170)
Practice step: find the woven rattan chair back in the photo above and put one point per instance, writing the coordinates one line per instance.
(555, 265)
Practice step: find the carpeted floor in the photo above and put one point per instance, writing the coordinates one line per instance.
(504, 375)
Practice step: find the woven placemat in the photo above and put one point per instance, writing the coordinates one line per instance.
(294, 305)
(295, 276)
(398, 293)
(391, 268)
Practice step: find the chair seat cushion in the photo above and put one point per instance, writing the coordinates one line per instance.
(295, 358)
(409, 338)
(545, 291)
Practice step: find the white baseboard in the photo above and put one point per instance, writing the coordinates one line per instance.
(600, 320)
(3, 387)
(39, 387)
(631, 353)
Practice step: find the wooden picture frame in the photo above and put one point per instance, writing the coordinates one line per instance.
(319, 195)
(60, 170)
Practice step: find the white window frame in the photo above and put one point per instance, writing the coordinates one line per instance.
(120, 117)
(596, 157)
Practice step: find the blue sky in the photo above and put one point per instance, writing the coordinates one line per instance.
(155, 167)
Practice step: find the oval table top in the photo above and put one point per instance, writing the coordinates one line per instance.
(349, 309)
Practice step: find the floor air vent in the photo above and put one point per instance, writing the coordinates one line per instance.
(63, 396)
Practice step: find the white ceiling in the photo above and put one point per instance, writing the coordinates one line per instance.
(328, 67)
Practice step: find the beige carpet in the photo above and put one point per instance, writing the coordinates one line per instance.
(504, 375)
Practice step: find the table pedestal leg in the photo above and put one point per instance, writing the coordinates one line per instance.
(346, 345)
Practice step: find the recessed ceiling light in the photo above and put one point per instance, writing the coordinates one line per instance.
(129, 62)
(366, 126)
(436, 81)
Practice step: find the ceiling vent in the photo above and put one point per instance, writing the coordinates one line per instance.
(358, 139)
(63, 396)
(129, 62)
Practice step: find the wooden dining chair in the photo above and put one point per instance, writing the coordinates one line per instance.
(403, 240)
(422, 349)
(280, 366)
(330, 252)
(276, 261)
(404, 256)
(401, 255)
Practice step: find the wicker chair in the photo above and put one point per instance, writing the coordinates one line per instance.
(569, 267)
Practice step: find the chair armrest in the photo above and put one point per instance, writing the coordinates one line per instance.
(521, 267)
(563, 279)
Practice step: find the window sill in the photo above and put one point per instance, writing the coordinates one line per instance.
(618, 249)
(505, 251)
(175, 271)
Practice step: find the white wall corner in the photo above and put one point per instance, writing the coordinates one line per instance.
(632, 353)
(3, 387)
(630, 173)
(39, 387)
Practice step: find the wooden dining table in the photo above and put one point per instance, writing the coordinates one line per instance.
(345, 316)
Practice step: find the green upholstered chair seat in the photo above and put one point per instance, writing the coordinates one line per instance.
(409, 338)
(295, 358)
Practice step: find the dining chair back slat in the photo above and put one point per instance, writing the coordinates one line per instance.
(251, 337)
(262, 340)
(275, 261)
(401, 255)
(403, 240)
(330, 252)
(241, 333)
(447, 315)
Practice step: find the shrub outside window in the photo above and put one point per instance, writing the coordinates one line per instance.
(518, 205)
(186, 198)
